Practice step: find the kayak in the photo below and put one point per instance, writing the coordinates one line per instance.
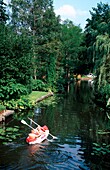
(32, 139)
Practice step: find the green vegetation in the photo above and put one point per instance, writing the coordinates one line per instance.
(35, 95)
(98, 51)
(39, 53)
(25, 102)
(9, 134)
(2, 107)
(100, 150)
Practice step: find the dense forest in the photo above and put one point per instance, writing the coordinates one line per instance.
(39, 52)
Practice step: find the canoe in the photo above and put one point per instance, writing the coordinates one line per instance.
(34, 140)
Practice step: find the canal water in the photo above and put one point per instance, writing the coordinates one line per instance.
(76, 122)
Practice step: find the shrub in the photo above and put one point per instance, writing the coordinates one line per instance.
(39, 85)
(12, 90)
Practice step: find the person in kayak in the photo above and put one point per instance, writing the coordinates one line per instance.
(38, 131)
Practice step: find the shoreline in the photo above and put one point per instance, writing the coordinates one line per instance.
(6, 113)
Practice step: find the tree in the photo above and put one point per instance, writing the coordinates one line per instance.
(72, 38)
(98, 43)
(98, 25)
(46, 41)
(37, 19)
(103, 64)
(15, 63)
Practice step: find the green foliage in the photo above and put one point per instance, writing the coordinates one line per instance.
(12, 90)
(103, 67)
(98, 50)
(100, 150)
(2, 107)
(15, 64)
(72, 39)
(103, 97)
(46, 42)
(36, 48)
(97, 25)
(11, 104)
(9, 134)
(61, 82)
(22, 104)
(39, 85)
(51, 79)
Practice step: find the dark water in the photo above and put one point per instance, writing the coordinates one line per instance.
(75, 120)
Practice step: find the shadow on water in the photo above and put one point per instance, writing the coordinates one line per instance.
(76, 121)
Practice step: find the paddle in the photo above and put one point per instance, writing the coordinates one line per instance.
(54, 137)
(22, 121)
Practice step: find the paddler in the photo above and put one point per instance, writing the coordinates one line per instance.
(38, 132)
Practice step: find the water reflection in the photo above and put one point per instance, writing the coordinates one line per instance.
(75, 120)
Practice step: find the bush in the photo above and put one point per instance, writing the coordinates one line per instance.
(20, 104)
(12, 90)
(39, 85)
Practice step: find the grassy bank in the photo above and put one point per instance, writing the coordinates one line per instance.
(36, 95)
(25, 102)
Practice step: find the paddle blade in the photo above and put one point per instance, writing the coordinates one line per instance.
(54, 137)
(22, 121)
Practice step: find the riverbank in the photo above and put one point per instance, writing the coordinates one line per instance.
(35, 97)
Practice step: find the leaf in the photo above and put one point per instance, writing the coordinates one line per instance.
(15, 130)
(1, 131)
(10, 140)
(108, 146)
(98, 149)
(5, 143)
(96, 144)
(1, 137)
(13, 137)
(103, 152)
(9, 129)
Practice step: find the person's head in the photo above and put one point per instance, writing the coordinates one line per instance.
(32, 131)
(38, 128)
(44, 128)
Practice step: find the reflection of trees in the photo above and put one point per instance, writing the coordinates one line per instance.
(82, 92)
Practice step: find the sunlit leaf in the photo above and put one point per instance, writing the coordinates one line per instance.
(9, 129)
(1, 137)
(103, 152)
(5, 143)
(13, 137)
(98, 149)
(10, 140)
(15, 130)
(96, 144)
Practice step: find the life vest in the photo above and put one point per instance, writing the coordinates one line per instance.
(30, 138)
(44, 128)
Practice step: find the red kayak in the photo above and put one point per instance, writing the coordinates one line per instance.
(39, 135)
